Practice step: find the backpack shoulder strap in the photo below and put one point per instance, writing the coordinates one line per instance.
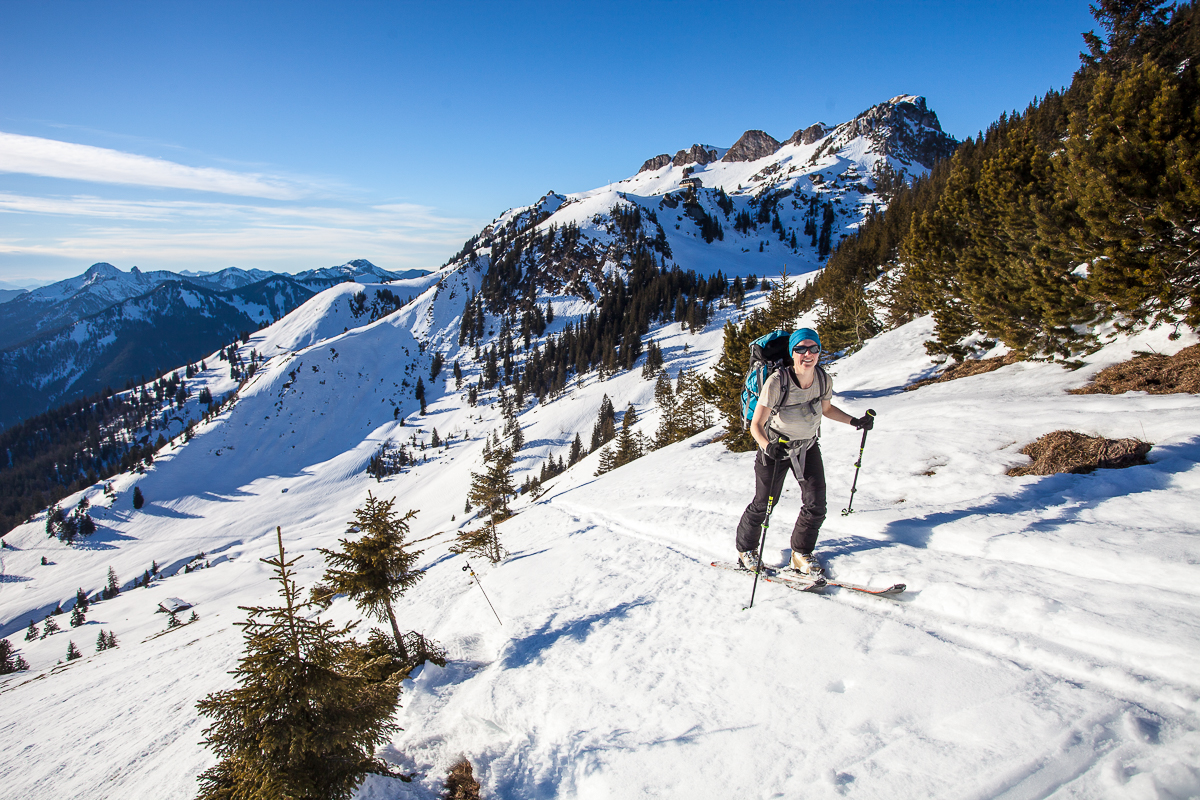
(822, 380)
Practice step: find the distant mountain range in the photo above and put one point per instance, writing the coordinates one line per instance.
(105, 327)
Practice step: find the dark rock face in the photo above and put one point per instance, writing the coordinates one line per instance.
(752, 146)
(903, 127)
(809, 135)
(696, 155)
(658, 162)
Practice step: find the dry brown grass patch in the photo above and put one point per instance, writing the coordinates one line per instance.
(1150, 372)
(461, 783)
(1069, 451)
(966, 369)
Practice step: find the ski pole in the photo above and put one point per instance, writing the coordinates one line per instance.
(762, 535)
(478, 583)
(849, 509)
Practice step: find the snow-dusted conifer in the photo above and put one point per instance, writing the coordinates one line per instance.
(31, 632)
(73, 652)
(77, 617)
(310, 707)
(49, 627)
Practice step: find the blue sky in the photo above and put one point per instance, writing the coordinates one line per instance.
(295, 135)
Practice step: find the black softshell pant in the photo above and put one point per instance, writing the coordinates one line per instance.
(812, 490)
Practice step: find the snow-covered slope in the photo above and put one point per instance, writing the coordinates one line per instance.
(1048, 643)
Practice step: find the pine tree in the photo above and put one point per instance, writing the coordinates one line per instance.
(375, 569)
(49, 627)
(490, 491)
(172, 619)
(576, 451)
(113, 587)
(73, 652)
(101, 642)
(138, 499)
(31, 632)
(605, 430)
(628, 446)
(77, 617)
(668, 409)
(112, 641)
(10, 659)
(420, 393)
(54, 518)
(310, 707)
(1135, 168)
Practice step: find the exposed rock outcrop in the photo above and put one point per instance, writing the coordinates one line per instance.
(658, 162)
(698, 154)
(812, 133)
(752, 146)
(903, 127)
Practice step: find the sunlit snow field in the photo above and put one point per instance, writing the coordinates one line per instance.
(1047, 646)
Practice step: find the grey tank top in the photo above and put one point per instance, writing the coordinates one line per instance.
(800, 417)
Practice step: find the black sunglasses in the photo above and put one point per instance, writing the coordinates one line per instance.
(806, 348)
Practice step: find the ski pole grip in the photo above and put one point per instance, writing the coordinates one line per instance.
(870, 412)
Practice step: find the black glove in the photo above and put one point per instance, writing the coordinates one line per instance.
(864, 423)
(777, 450)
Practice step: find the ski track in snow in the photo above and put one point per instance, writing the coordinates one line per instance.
(1047, 646)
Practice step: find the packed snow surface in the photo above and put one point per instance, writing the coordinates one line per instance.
(1048, 644)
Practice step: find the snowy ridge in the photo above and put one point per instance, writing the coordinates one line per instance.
(783, 192)
(1048, 644)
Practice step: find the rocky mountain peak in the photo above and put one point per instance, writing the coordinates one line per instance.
(658, 162)
(903, 127)
(752, 146)
(813, 133)
(698, 154)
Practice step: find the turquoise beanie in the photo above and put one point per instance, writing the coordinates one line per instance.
(799, 336)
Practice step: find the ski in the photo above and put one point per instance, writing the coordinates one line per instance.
(775, 576)
(794, 580)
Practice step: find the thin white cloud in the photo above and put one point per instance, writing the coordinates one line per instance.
(32, 155)
(211, 235)
(402, 215)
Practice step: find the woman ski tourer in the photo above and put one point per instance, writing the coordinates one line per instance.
(786, 424)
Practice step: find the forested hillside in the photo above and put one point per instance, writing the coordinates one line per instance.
(1082, 208)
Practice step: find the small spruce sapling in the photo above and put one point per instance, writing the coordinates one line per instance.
(49, 627)
(77, 617)
(31, 632)
(138, 499)
(73, 652)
